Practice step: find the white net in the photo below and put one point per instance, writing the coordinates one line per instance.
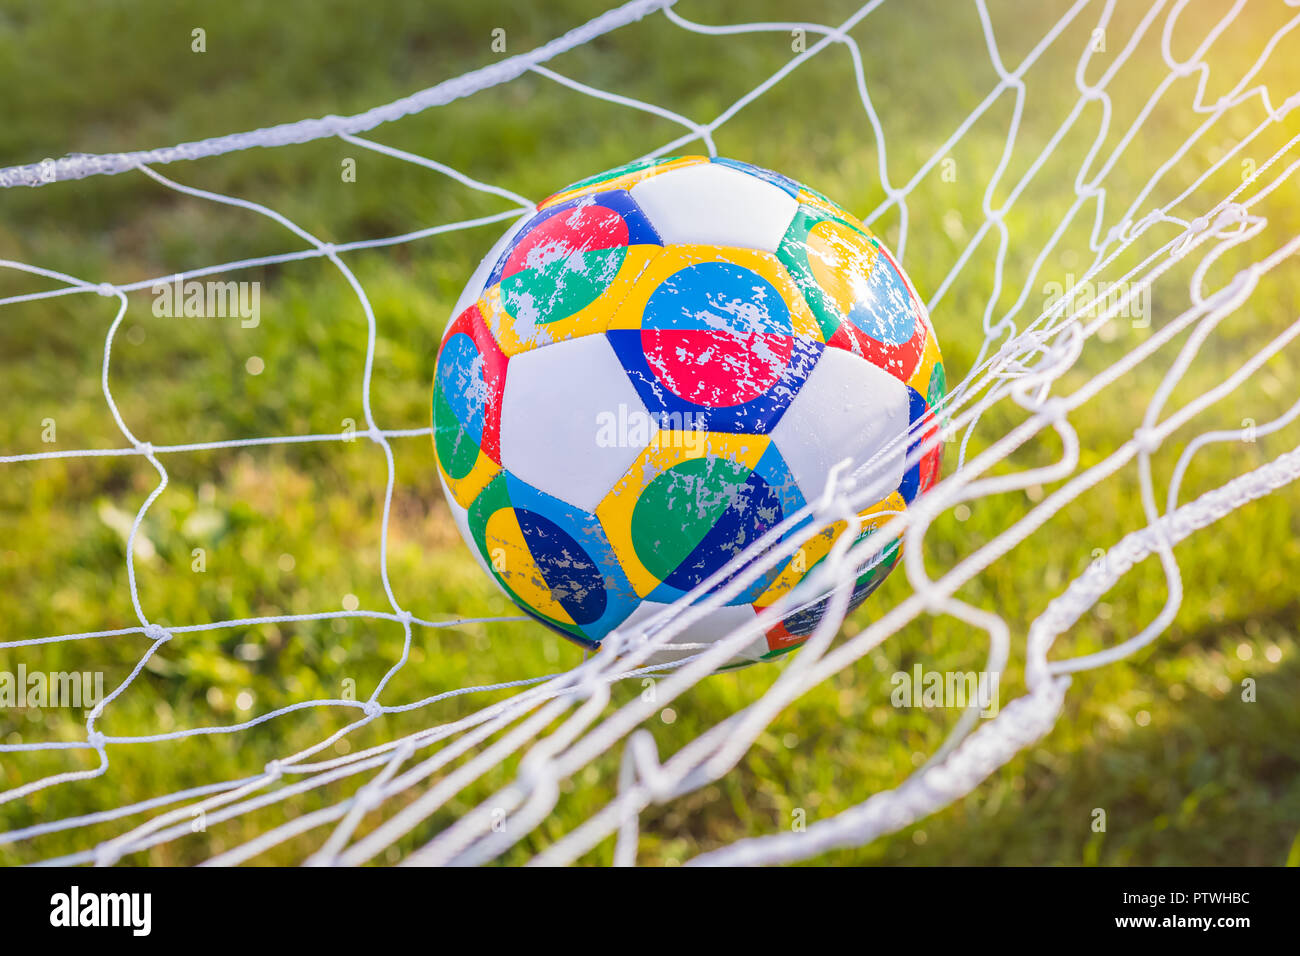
(1191, 236)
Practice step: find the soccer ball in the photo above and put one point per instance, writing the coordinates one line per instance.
(660, 365)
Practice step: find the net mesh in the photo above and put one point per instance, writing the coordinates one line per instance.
(1043, 359)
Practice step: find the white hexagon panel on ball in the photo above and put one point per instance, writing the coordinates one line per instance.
(571, 422)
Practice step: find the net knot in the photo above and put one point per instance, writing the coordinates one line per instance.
(327, 249)
(1183, 243)
(1230, 215)
(372, 708)
(1148, 441)
(934, 601)
(1055, 409)
(106, 289)
(273, 770)
(156, 632)
(145, 448)
(96, 739)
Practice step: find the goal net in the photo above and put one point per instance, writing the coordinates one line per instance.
(1109, 222)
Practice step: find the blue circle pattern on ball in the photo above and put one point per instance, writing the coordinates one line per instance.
(719, 289)
(883, 311)
(461, 380)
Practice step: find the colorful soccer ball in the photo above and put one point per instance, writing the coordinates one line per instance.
(660, 365)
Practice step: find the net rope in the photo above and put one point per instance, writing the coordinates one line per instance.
(558, 724)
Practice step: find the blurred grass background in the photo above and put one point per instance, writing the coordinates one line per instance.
(1186, 771)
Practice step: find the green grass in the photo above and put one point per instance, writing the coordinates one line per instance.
(1185, 770)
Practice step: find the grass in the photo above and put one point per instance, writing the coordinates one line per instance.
(1185, 770)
